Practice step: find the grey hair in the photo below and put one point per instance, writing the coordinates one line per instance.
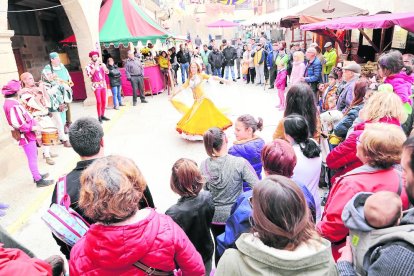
(391, 61)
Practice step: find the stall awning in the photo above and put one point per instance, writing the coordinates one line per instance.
(223, 24)
(378, 21)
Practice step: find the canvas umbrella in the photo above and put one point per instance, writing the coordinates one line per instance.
(223, 24)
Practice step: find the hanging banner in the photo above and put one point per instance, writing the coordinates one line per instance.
(369, 32)
(399, 38)
(355, 36)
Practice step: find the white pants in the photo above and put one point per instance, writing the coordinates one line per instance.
(260, 77)
(57, 119)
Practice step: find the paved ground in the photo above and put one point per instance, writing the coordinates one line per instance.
(146, 133)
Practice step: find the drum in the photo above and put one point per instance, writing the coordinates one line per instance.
(50, 136)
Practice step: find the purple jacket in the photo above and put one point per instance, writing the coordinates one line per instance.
(250, 150)
(402, 86)
(21, 120)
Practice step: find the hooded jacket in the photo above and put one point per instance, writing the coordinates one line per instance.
(387, 251)
(255, 258)
(362, 179)
(230, 55)
(114, 75)
(216, 59)
(341, 129)
(402, 86)
(156, 241)
(250, 150)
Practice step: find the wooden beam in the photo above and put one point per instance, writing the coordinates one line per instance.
(369, 40)
(382, 40)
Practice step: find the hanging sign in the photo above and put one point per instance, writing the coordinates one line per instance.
(399, 38)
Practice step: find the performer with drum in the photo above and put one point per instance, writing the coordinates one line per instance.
(24, 127)
(60, 95)
(96, 70)
(36, 101)
(56, 73)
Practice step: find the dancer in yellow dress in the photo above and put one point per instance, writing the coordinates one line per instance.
(203, 114)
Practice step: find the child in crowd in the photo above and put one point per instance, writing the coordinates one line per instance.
(329, 97)
(247, 144)
(370, 216)
(195, 209)
(298, 67)
(280, 84)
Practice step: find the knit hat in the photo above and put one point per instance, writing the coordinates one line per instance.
(92, 53)
(53, 55)
(12, 87)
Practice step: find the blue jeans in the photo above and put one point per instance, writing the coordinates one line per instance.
(208, 69)
(217, 71)
(184, 71)
(116, 95)
(226, 72)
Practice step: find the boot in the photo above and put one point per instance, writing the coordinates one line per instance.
(43, 183)
(100, 119)
(67, 144)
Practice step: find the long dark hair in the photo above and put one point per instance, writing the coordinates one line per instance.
(297, 128)
(300, 100)
(280, 213)
(360, 89)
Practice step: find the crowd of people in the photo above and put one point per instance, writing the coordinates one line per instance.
(254, 208)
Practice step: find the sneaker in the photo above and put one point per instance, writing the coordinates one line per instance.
(238, 78)
(116, 107)
(234, 80)
(144, 101)
(121, 104)
(105, 118)
(221, 82)
(44, 183)
(50, 161)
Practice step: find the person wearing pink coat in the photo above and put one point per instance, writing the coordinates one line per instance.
(298, 68)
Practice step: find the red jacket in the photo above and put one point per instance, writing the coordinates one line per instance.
(343, 157)
(362, 179)
(157, 241)
(15, 262)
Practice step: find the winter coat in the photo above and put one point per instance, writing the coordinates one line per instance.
(259, 57)
(114, 75)
(280, 82)
(330, 58)
(247, 57)
(271, 58)
(253, 257)
(346, 96)
(343, 157)
(313, 71)
(298, 70)
(362, 179)
(156, 241)
(367, 239)
(194, 215)
(250, 150)
(14, 261)
(216, 59)
(402, 86)
(239, 221)
(163, 62)
(183, 57)
(224, 179)
(341, 129)
(230, 55)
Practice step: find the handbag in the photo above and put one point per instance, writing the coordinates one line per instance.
(245, 68)
(16, 134)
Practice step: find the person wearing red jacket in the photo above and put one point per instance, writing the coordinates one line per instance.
(379, 148)
(383, 107)
(126, 240)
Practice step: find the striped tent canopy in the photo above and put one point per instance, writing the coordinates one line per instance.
(123, 21)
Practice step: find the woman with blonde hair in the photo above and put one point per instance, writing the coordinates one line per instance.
(298, 67)
(126, 240)
(379, 149)
(195, 209)
(382, 107)
(203, 114)
(283, 240)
